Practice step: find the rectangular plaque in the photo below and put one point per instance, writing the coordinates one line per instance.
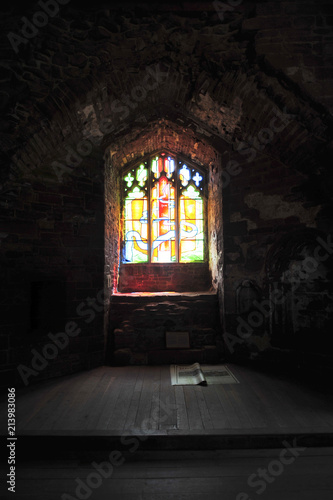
(177, 340)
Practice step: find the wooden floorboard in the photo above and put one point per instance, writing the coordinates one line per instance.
(111, 398)
(33, 405)
(280, 414)
(99, 401)
(145, 401)
(221, 474)
(127, 399)
(203, 408)
(126, 389)
(182, 415)
(193, 411)
(133, 408)
(168, 410)
(155, 409)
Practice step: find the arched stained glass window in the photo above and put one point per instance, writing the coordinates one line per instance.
(163, 214)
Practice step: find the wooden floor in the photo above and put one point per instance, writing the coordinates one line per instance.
(110, 401)
(218, 475)
(140, 399)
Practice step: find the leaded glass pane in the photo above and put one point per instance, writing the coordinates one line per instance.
(136, 228)
(163, 216)
(191, 226)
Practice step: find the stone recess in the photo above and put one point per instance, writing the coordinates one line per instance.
(248, 96)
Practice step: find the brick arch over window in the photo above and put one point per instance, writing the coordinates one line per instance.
(130, 152)
(160, 135)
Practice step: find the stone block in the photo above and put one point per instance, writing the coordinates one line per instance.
(211, 354)
(122, 357)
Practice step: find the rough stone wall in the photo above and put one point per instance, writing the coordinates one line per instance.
(53, 235)
(215, 232)
(246, 92)
(282, 307)
(139, 326)
(68, 80)
(295, 38)
(111, 236)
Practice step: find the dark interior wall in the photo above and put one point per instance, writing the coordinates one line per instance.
(263, 214)
(299, 270)
(247, 93)
(52, 264)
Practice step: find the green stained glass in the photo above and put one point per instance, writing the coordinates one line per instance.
(141, 175)
(136, 193)
(129, 179)
(191, 192)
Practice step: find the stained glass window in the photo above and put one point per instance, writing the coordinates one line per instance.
(163, 213)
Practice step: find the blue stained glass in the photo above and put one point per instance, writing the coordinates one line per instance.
(135, 250)
(197, 178)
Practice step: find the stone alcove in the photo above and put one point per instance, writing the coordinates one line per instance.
(141, 332)
(177, 141)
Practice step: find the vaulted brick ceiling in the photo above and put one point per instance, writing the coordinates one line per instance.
(218, 79)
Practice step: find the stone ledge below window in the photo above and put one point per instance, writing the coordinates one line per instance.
(176, 277)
